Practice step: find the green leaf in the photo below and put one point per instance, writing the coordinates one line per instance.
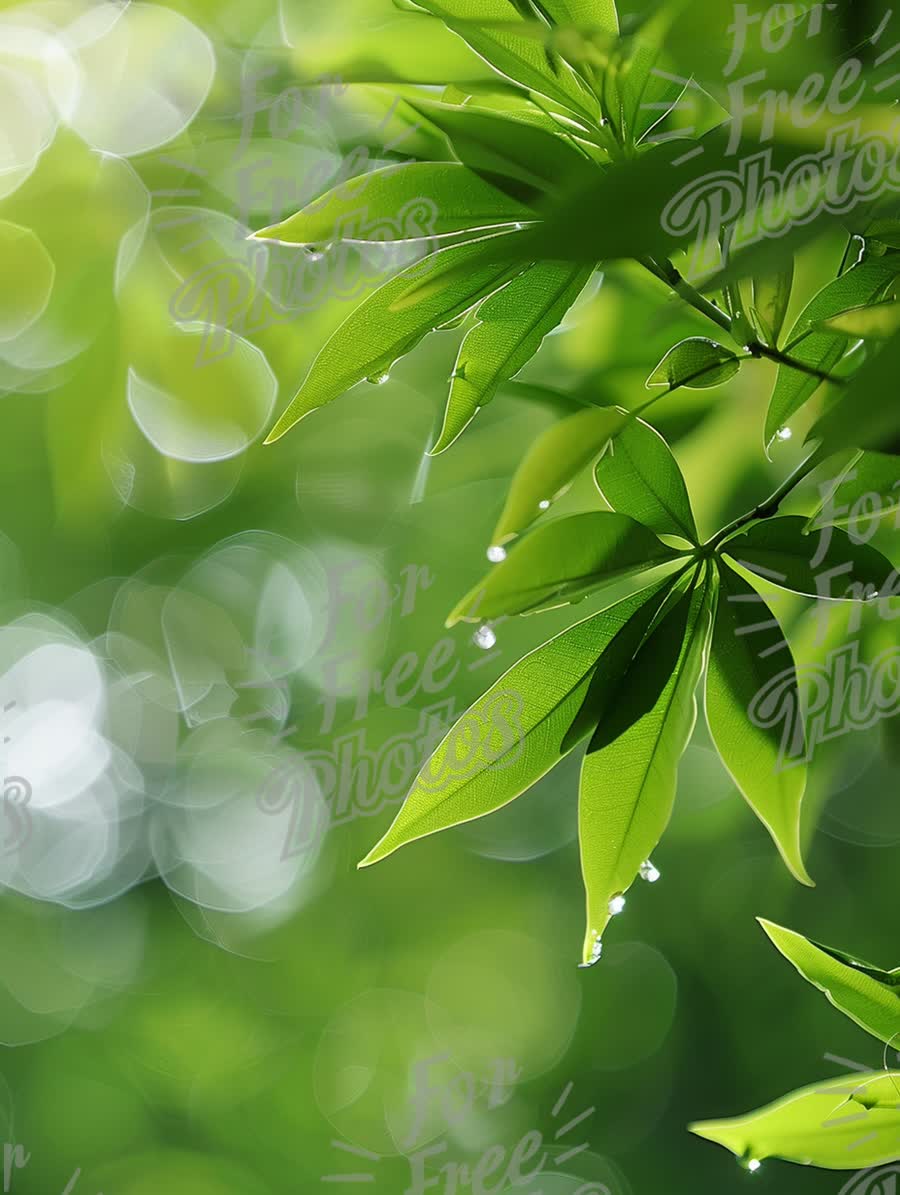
(639, 476)
(697, 363)
(511, 325)
(647, 94)
(585, 14)
(860, 285)
(516, 56)
(879, 321)
(749, 653)
(829, 565)
(517, 731)
(504, 143)
(867, 489)
(552, 462)
(409, 202)
(375, 334)
(865, 413)
(561, 561)
(847, 1123)
(771, 296)
(629, 774)
(872, 1002)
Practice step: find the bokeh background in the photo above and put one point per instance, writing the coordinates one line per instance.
(199, 992)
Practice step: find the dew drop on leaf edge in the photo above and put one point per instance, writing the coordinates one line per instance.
(485, 637)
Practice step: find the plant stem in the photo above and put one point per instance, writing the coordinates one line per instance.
(666, 272)
(770, 507)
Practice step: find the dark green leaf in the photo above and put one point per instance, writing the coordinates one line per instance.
(639, 476)
(771, 296)
(865, 413)
(561, 561)
(697, 363)
(867, 489)
(749, 654)
(510, 327)
(827, 565)
(823, 350)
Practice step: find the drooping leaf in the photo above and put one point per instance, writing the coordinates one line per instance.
(771, 296)
(847, 1123)
(869, 997)
(750, 654)
(561, 561)
(517, 731)
(375, 334)
(629, 774)
(866, 489)
(639, 476)
(862, 416)
(823, 350)
(483, 25)
(878, 321)
(510, 327)
(552, 463)
(697, 363)
(511, 144)
(826, 565)
(410, 202)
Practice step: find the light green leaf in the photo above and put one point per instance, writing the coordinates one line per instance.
(629, 775)
(878, 321)
(561, 561)
(847, 1123)
(516, 56)
(869, 997)
(639, 476)
(867, 489)
(509, 143)
(697, 363)
(749, 652)
(376, 334)
(860, 285)
(647, 94)
(410, 202)
(828, 565)
(552, 463)
(771, 296)
(511, 325)
(518, 730)
(586, 14)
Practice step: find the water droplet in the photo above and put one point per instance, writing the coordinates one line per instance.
(545, 505)
(378, 379)
(484, 637)
(517, 226)
(648, 872)
(596, 952)
(496, 554)
(753, 1165)
(784, 434)
(314, 255)
(616, 905)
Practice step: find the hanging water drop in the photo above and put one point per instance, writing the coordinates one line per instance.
(616, 905)
(596, 952)
(314, 255)
(484, 637)
(545, 505)
(753, 1165)
(378, 379)
(784, 434)
(496, 554)
(648, 872)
